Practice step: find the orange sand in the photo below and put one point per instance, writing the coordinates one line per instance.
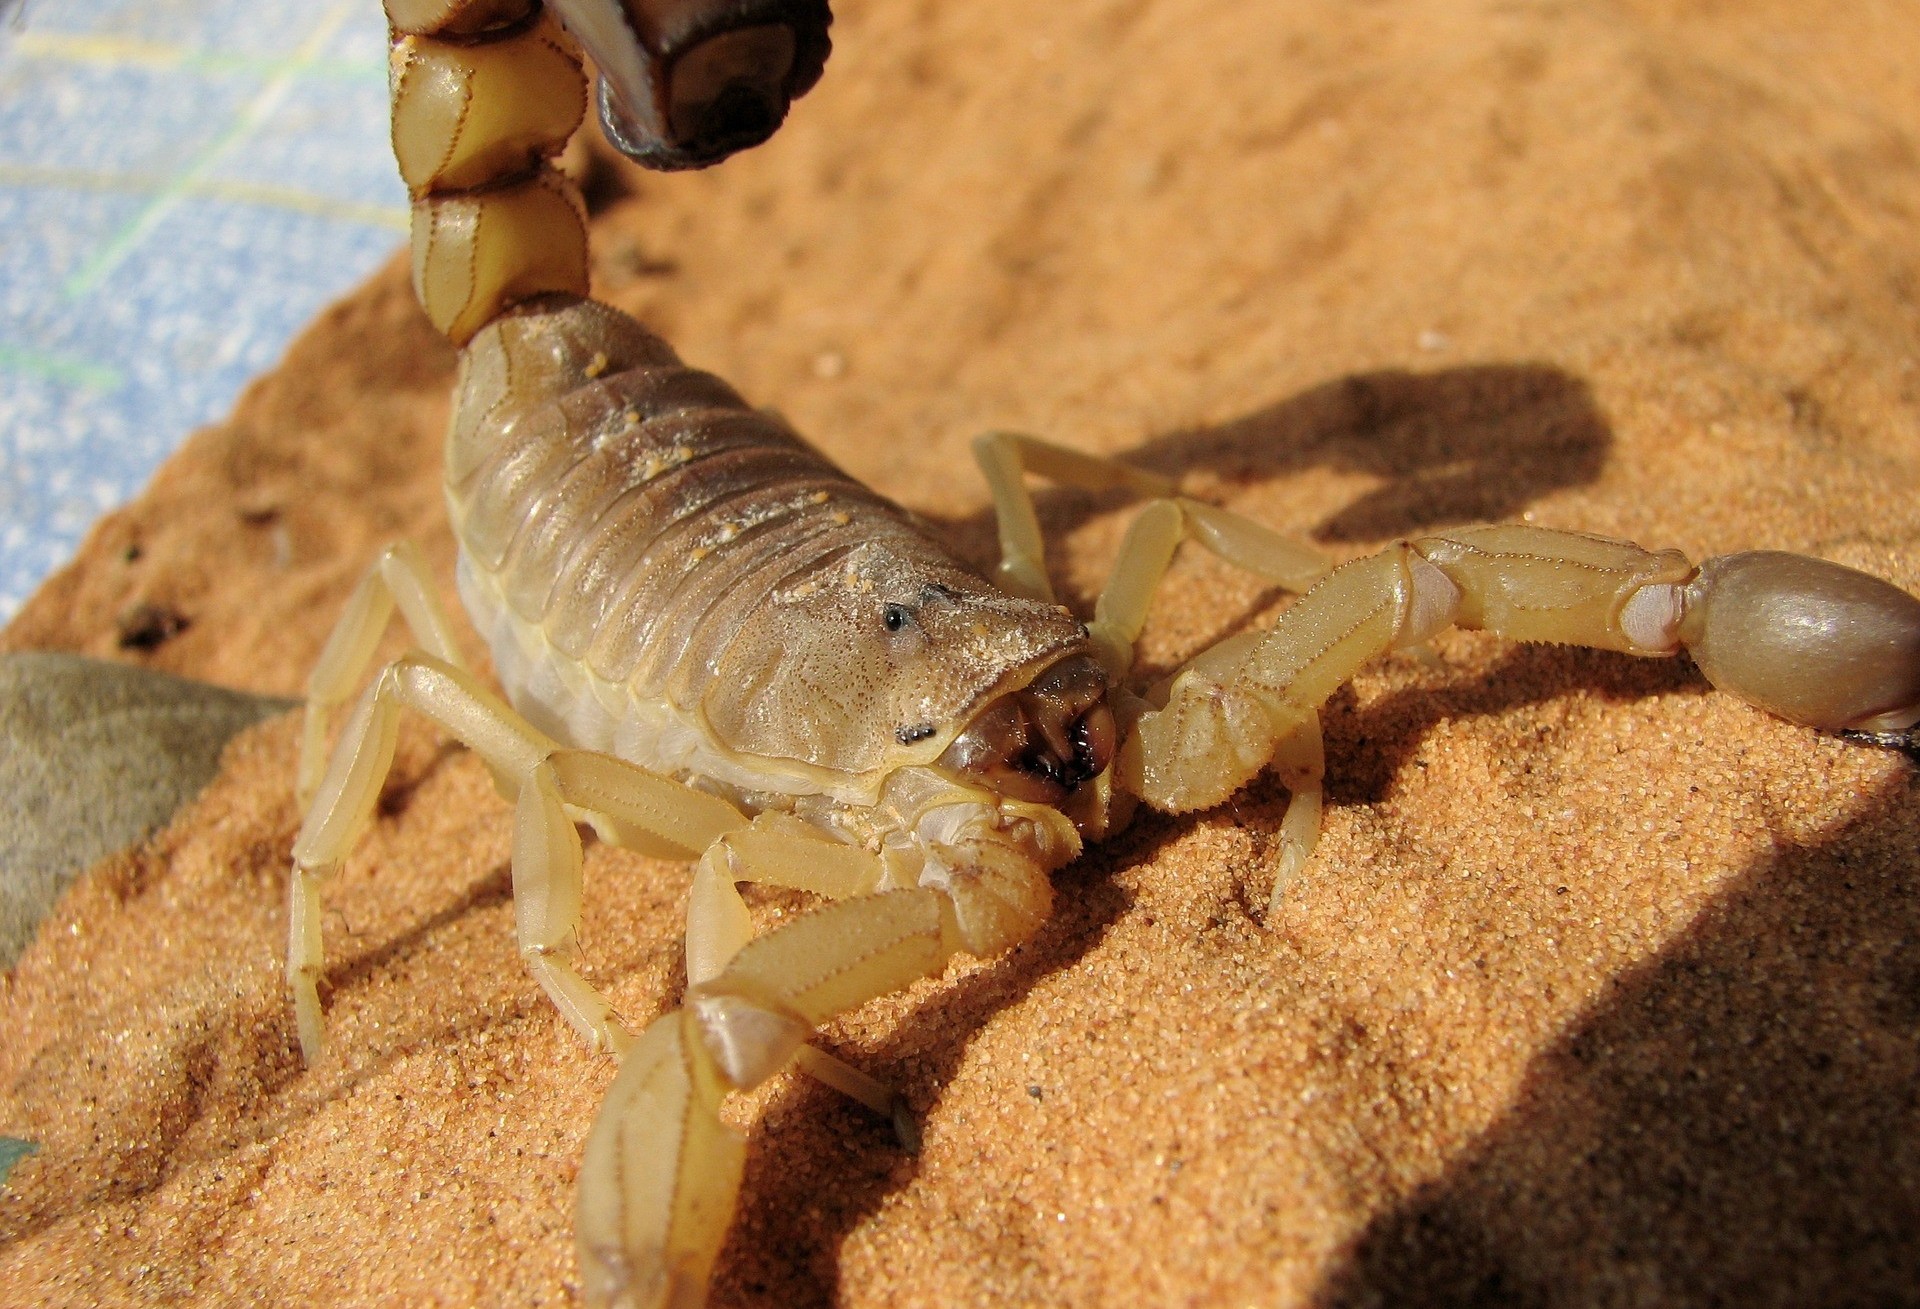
(1601, 990)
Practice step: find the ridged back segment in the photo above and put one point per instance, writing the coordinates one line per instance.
(484, 93)
(630, 494)
(697, 552)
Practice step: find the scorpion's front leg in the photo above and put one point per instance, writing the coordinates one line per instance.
(1811, 641)
(661, 1171)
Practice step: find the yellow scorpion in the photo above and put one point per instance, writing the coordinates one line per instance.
(719, 647)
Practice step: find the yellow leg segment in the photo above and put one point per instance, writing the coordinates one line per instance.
(551, 787)
(661, 1172)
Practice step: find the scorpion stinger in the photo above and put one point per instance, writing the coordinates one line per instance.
(685, 83)
(719, 647)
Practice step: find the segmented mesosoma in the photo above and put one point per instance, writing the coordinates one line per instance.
(718, 646)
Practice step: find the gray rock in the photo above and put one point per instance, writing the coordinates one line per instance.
(12, 1151)
(93, 757)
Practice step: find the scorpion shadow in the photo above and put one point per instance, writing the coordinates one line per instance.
(1470, 444)
(1734, 1124)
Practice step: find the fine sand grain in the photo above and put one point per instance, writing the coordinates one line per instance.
(1602, 989)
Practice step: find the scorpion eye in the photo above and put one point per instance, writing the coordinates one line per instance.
(896, 617)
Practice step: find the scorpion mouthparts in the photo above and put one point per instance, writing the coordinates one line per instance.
(1042, 742)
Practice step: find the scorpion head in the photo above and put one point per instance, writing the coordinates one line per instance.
(885, 652)
(685, 83)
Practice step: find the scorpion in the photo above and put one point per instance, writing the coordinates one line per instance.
(718, 647)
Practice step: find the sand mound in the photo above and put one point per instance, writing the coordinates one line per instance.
(1602, 988)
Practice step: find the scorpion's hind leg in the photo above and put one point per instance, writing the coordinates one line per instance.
(1811, 641)
(345, 796)
(661, 1171)
(398, 577)
(550, 786)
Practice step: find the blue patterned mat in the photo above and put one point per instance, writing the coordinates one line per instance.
(183, 183)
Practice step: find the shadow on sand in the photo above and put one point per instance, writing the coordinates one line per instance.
(1738, 1123)
(1462, 445)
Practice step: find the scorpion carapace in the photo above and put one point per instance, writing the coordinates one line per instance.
(721, 648)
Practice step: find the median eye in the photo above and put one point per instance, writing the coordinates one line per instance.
(896, 617)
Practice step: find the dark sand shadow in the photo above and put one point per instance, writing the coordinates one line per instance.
(1738, 1123)
(1460, 445)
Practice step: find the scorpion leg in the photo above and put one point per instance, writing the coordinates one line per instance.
(1121, 610)
(1005, 458)
(773, 850)
(350, 787)
(550, 786)
(1811, 641)
(780, 850)
(661, 1171)
(399, 576)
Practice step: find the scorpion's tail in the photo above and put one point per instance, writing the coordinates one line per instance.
(487, 92)
(660, 1176)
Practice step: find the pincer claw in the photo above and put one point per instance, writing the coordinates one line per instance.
(1815, 642)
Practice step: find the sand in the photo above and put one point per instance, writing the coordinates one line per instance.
(1602, 988)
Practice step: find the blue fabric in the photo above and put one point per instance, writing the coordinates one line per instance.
(183, 183)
